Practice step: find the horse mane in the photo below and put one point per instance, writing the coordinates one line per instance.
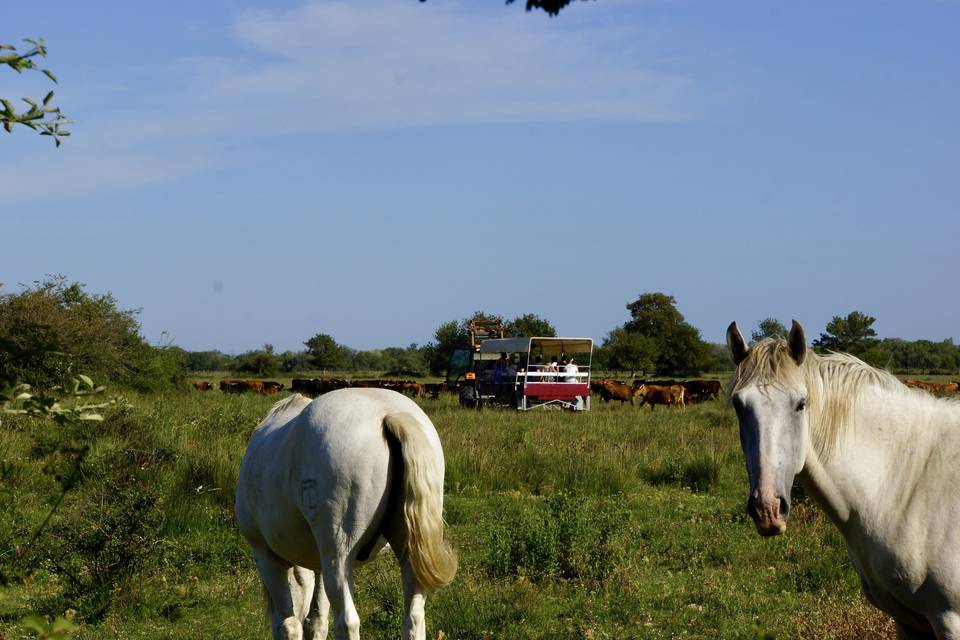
(286, 403)
(835, 384)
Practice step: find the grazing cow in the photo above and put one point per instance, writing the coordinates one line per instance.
(241, 386)
(202, 385)
(302, 385)
(701, 390)
(654, 394)
(434, 390)
(614, 390)
(270, 387)
(414, 389)
(934, 388)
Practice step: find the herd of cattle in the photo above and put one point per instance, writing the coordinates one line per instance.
(315, 386)
(671, 393)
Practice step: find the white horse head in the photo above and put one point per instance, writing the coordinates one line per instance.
(769, 394)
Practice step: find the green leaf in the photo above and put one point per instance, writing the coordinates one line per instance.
(62, 624)
(35, 623)
(47, 100)
(93, 417)
(49, 74)
(86, 380)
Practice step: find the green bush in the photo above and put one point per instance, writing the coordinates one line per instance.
(699, 474)
(565, 537)
(54, 330)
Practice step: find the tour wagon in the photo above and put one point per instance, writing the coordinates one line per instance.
(525, 373)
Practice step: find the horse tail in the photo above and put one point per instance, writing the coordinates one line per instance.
(433, 561)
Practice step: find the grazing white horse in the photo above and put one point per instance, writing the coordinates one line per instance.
(881, 459)
(324, 484)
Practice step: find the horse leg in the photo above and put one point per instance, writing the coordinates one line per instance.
(947, 626)
(338, 583)
(414, 599)
(281, 587)
(318, 618)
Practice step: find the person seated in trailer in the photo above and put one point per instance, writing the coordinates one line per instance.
(571, 369)
(510, 373)
(500, 368)
(534, 368)
(553, 368)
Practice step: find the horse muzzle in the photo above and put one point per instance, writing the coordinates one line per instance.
(769, 514)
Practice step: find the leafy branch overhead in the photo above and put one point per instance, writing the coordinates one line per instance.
(41, 116)
(552, 7)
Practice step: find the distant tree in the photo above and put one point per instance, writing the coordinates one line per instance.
(261, 362)
(209, 361)
(630, 351)
(449, 337)
(324, 352)
(768, 328)
(529, 325)
(679, 348)
(42, 117)
(853, 334)
(294, 361)
(719, 358)
(402, 359)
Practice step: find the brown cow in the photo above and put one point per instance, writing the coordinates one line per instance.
(434, 389)
(929, 387)
(701, 390)
(202, 385)
(654, 394)
(270, 387)
(614, 390)
(241, 386)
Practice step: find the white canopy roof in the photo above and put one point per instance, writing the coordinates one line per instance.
(547, 346)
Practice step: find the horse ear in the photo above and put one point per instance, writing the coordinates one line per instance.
(797, 343)
(736, 343)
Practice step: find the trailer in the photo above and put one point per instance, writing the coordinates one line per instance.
(524, 373)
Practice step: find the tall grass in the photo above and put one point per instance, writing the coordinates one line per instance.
(617, 523)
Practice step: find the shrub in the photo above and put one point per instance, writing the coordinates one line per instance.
(55, 329)
(566, 537)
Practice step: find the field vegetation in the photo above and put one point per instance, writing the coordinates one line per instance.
(617, 523)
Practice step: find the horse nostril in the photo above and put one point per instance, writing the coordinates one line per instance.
(784, 508)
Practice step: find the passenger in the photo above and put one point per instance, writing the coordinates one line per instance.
(534, 369)
(553, 368)
(571, 370)
(500, 368)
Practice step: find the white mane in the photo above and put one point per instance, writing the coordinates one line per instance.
(835, 384)
(295, 402)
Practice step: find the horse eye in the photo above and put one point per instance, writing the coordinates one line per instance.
(801, 405)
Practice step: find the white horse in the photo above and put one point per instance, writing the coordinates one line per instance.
(881, 459)
(327, 483)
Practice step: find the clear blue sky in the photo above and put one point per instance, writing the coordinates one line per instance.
(257, 172)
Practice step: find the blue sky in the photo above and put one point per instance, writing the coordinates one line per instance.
(250, 172)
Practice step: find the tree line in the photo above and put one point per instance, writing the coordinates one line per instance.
(54, 329)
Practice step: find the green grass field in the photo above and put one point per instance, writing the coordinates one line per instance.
(617, 523)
